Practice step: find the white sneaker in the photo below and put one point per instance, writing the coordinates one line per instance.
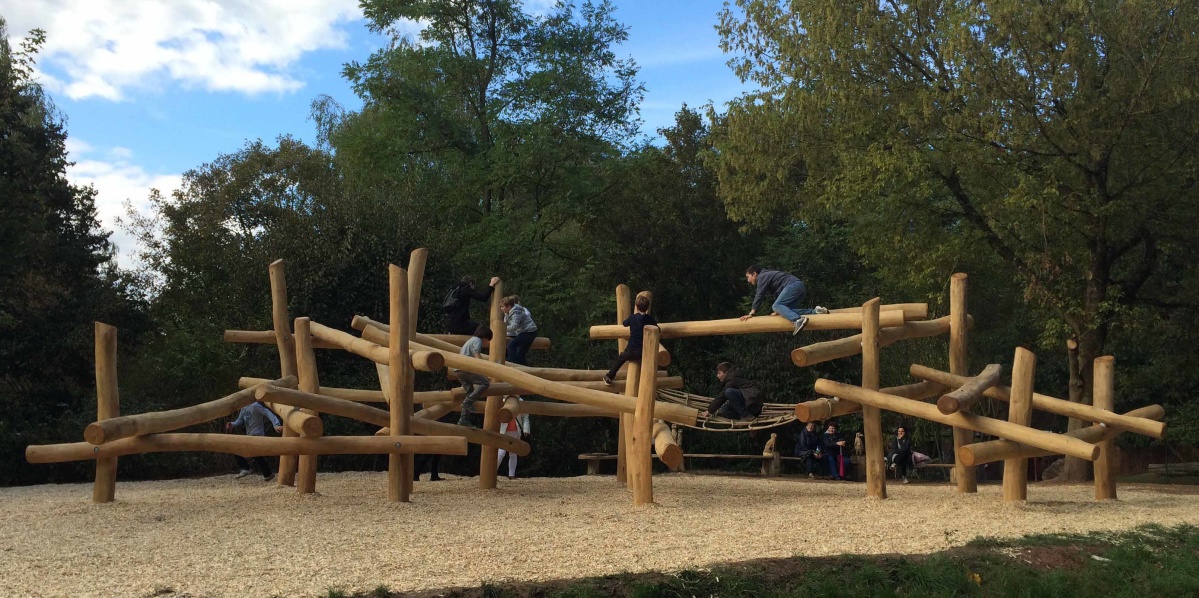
(820, 310)
(799, 324)
(241, 474)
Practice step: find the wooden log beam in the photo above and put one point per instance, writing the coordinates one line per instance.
(1000, 450)
(308, 382)
(286, 344)
(822, 409)
(852, 345)
(624, 309)
(760, 324)
(1103, 393)
(400, 380)
(959, 363)
(666, 447)
(970, 392)
(301, 424)
(911, 311)
(166, 421)
(246, 446)
(489, 456)
(108, 406)
(1015, 470)
(422, 360)
(1136, 425)
(1047, 440)
(266, 337)
(641, 464)
(540, 343)
(872, 417)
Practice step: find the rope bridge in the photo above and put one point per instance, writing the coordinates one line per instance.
(772, 416)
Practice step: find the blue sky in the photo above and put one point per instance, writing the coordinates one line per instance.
(152, 88)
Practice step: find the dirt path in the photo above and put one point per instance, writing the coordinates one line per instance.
(229, 537)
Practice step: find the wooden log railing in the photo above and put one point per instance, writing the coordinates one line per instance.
(246, 446)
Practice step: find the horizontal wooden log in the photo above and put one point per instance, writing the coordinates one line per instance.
(760, 324)
(822, 409)
(911, 311)
(970, 392)
(266, 337)
(852, 345)
(166, 421)
(349, 394)
(999, 450)
(246, 446)
(1046, 440)
(540, 343)
(1136, 425)
(548, 409)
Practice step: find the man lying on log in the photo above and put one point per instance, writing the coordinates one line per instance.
(789, 294)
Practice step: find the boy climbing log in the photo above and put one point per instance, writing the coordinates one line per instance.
(789, 293)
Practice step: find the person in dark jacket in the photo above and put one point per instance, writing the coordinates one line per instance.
(901, 453)
(636, 323)
(834, 451)
(738, 399)
(789, 293)
(809, 449)
(457, 305)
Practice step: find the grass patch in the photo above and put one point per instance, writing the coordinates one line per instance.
(1148, 561)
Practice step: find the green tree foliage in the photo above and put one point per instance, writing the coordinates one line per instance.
(1054, 141)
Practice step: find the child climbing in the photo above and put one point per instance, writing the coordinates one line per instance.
(474, 384)
(521, 329)
(789, 294)
(636, 323)
(738, 399)
(253, 417)
(456, 305)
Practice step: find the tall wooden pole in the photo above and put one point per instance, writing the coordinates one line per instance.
(624, 309)
(1015, 471)
(959, 363)
(489, 456)
(308, 382)
(287, 356)
(641, 464)
(399, 467)
(108, 406)
(1103, 396)
(416, 278)
(872, 417)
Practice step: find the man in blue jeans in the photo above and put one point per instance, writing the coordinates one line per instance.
(739, 399)
(789, 293)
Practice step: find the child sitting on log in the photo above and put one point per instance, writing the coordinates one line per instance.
(474, 384)
(253, 417)
(636, 323)
(739, 399)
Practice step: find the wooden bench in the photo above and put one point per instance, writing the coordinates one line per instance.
(593, 461)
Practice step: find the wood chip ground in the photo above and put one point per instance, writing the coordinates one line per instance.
(223, 536)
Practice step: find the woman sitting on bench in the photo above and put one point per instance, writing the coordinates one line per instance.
(901, 453)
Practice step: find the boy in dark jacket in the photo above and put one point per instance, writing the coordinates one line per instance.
(808, 448)
(636, 323)
(739, 399)
(457, 305)
(834, 451)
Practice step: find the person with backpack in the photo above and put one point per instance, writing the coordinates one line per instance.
(789, 294)
(456, 305)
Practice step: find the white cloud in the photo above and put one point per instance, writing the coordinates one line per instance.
(116, 180)
(104, 48)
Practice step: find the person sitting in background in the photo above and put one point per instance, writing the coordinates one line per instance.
(808, 448)
(901, 453)
(456, 306)
(521, 329)
(739, 398)
(474, 384)
(253, 417)
(834, 451)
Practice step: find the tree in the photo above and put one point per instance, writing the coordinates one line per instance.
(1056, 139)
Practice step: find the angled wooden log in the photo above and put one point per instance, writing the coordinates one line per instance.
(1015, 470)
(309, 381)
(540, 343)
(108, 405)
(301, 424)
(911, 311)
(1046, 440)
(166, 421)
(265, 337)
(970, 392)
(1000, 450)
(852, 345)
(286, 344)
(666, 447)
(1136, 425)
(760, 324)
(822, 409)
(246, 446)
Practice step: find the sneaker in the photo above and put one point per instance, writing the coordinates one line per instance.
(811, 476)
(241, 474)
(269, 478)
(905, 480)
(608, 380)
(799, 324)
(820, 310)
(434, 479)
(511, 477)
(465, 423)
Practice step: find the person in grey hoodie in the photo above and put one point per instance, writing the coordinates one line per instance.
(522, 330)
(253, 417)
(789, 293)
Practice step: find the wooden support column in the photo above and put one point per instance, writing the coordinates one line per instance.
(281, 322)
(641, 464)
(1103, 394)
(872, 417)
(959, 363)
(624, 309)
(308, 382)
(416, 279)
(489, 455)
(108, 406)
(1015, 471)
(399, 376)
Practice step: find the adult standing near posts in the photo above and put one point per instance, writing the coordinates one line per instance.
(522, 330)
(789, 293)
(457, 305)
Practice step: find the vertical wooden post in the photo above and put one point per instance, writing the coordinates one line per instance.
(1103, 396)
(308, 382)
(399, 364)
(1015, 471)
(416, 278)
(287, 356)
(489, 456)
(108, 406)
(624, 309)
(959, 364)
(872, 417)
(641, 464)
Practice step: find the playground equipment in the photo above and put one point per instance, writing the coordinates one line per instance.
(645, 400)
